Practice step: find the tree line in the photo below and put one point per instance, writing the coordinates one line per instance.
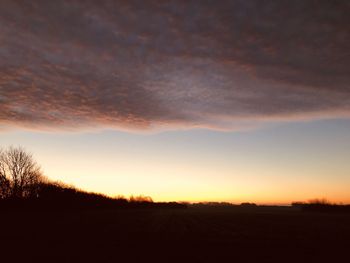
(22, 184)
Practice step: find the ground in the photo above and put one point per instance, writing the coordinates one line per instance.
(204, 234)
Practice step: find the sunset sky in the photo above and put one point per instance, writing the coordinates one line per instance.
(181, 100)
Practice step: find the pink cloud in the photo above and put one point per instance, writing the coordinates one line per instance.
(154, 65)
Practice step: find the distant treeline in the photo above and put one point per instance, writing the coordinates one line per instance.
(223, 205)
(321, 205)
(59, 196)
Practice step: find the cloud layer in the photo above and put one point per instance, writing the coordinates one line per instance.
(165, 64)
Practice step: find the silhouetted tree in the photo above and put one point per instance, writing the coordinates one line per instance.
(20, 175)
(23, 186)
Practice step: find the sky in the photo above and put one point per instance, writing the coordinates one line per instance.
(181, 100)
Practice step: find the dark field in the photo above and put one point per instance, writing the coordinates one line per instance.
(206, 234)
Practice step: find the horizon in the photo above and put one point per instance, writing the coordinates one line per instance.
(65, 157)
(233, 101)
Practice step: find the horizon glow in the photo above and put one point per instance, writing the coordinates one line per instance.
(275, 165)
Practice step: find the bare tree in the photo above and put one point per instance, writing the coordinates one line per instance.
(4, 179)
(20, 175)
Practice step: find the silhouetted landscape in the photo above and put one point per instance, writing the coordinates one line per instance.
(205, 233)
(175, 131)
(52, 222)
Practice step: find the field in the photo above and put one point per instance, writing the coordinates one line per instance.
(195, 234)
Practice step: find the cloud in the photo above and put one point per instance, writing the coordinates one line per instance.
(172, 64)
